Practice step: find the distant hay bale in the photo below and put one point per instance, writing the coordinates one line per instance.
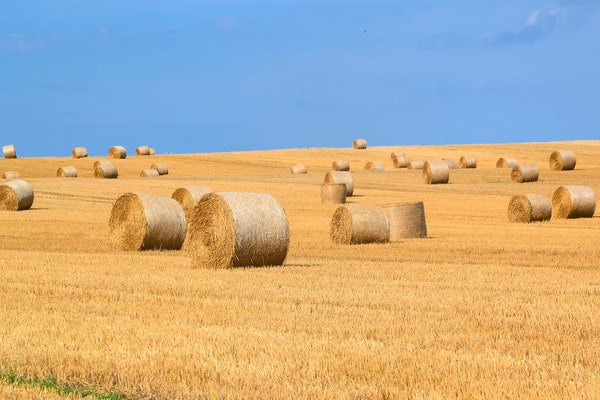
(16, 195)
(562, 160)
(79, 152)
(9, 151)
(11, 175)
(572, 201)
(400, 162)
(452, 164)
(529, 208)
(299, 169)
(506, 162)
(526, 172)
(359, 223)
(231, 230)
(162, 169)
(468, 162)
(436, 171)
(406, 220)
(142, 151)
(374, 166)
(188, 197)
(149, 172)
(415, 164)
(360, 144)
(341, 165)
(396, 154)
(333, 193)
(141, 221)
(67, 172)
(117, 152)
(341, 177)
(99, 163)
(151, 151)
(106, 170)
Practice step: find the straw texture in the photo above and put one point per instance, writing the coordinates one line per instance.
(142, 151)
(100, 163)
(400, 162)
(468, 162)
(562, 160)
(506, 162)
(374, 166)
(67, 172)
(16, 195)
(526, 172)
(436, 171)
(148, 173)
(9, 151)
(360, 144)
(396, 154)
(188, 197)
(117, 152)
(572, 201)
(407, 220)
(162, 169)
(341, 177)
(106, 170)
(358, 224)
(529, 208)
(341, 165)
(79, 152)
(452, 164)
(333, 193)
(151, 151)
(11, 175)
(299, 169)
(415, 164)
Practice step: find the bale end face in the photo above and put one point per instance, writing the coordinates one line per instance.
(436, 172)
(9, 151)
(562, 160)
(16, 195)
(526, 208)
(574, 201)
(522, 173)
(359, 224)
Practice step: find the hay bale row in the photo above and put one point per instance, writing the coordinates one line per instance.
(360, 144)
(526, 172)
(333, 193)
(67, 172)
(529, 208)
(16, 195)
(436, 171)
(467, 162)
(374, 166)
(9, 151)
(562, 160)
(11, 175)
(340, 165)
(162, 169)
(117, 152)
(79, 152)
(299, 169)
(506, 162)
(341, 177)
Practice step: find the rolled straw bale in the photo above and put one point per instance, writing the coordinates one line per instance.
(529, 208)
(400, 162)
(67, 172)
(11, 175)
(79, 152)
(151, 151)
(231, 230)
(341, 177)
(106, 171)
(562, 160)
(16, 195)
(360, 144)
(341, 165)
(333, 193)
(149, 172)
(359, 223)
(9, 151)
(436, 171)
(452, 164)
(526, 172)
(99, 163)
(415, 164)
(506, 162)
(407, 220)
(396, 154)
(189, 196)
(468, 162)
(141, 221)
(142, 151)
(117, 152)
(374, 166)
(299, 169)
(162, 169)
(572, 201)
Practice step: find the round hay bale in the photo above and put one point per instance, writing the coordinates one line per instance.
(360, 144)
(142, 151)
(99, 163)
(151, 151)
(141, 221)
(415, 164)
(67, 172)
(572, 201)
(452, 164)
(562, 160)
(529, 208)
(396, 154)
(436, 171)
(9, 151)
(407, 220)
(79, 152)
(374, 166)
(162, 169)
(506, 162)
(341, 177)
(468, 162)
(341, 165)
(117, 152)
(16, 195)
(526, 172)
(149, 172)
(333, 193)
(400, 162)
(11, 175)
(106, 170)
(299, 169)
(359, 223)
(231, 230)
(189, 196)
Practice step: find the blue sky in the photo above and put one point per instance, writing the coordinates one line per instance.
(187, 76)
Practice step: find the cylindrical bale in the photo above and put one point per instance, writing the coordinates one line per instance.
(572, 201)
(99, 163)
(79, 152)
(9, 151)
(189, 196)
(299, 169)
(142, 151)
(333, 193)
(359, 144)
(407, 220)
(359, 223)
(415, 164)
(106, 171)
(162, 169)
(436, 171)
(231, 230)
(117, 152)
(67, 172)
(396, 154)
(506, 162)
(341, 177)
(400, 162)
(16, 195)
(374, 166)
(468, 162)
(562, 160)
(529, 208)
(141, 221)
(151, 151)
(526, 172)
(11, 175)
(149, 172)
(341, 165)
(452, 164)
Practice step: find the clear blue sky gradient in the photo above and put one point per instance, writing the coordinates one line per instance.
(186, 76)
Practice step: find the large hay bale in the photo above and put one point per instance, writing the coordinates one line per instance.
(189, 196)
(99, 163)
(415, 164)
(396, 154)
(529, 208)
(506, 162)
(151, 151)
(562, 160)
(9, 151)
(340, 165)
(526, 172)
(468, 162)
(141, 221)
(106, 170)
(359, 223)
(452, 164)
(149, 172)
(142, 151)
(436, 171)
(299, 169)
(231, 230)
(360, 144)
(341, 177)
(67, 172)
(572, 201)
(374, 166)
(407, 220)
(117, 152)
(162, 169)
(400, 162)
(16, 195)
(79, 152)
(333, 193)
(11, 175)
